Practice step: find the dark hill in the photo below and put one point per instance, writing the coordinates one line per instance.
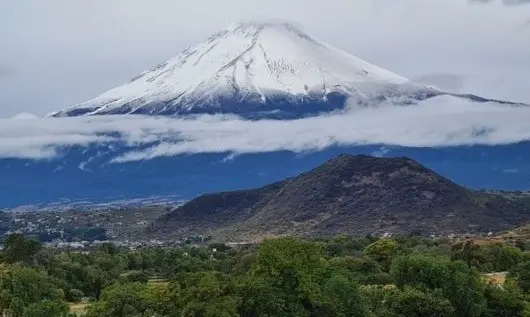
(347, 195)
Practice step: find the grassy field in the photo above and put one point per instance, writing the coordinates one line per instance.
(79, 309)
(156, 280)
(497, 278)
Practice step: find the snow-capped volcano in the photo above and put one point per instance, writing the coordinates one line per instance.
(253, 68)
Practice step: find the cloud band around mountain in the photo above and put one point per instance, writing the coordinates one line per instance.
(440, 121)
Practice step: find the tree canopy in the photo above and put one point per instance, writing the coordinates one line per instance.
(343, 276)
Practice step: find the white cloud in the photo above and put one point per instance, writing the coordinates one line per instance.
(381, 152)
(441, 121)
(447, 82)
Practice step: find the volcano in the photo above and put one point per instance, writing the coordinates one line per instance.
(259, 70)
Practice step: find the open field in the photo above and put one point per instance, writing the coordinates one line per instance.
(497, 278)
(79, 309)
(155, 280)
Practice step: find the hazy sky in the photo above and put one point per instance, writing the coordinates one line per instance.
(55, 53)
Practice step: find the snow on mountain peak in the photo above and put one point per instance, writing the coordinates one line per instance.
(243, 66)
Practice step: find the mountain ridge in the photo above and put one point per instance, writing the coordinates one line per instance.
(347, 195)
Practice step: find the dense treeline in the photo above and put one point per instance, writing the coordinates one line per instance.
(340, 276)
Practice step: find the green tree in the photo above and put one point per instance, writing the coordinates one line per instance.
(291, 270)
(366, 270)
(502, 257)
(522, 275)
(503, 303)
(109, 248)
(46, 308)
(455, 281)
(122, 300)
(411, 302)
(377, 300)
(208, 294)
(220, 247)
(468, 252)
(165, 299)
(18, 248)
(341, 297)
(95, 279)
(292, 278)
(24, 288)
(75, 295)
(16, 307)
(382, 251)
(138, 277)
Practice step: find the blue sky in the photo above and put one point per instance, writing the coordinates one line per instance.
(57, 53)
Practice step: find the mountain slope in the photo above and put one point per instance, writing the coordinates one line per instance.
(347, 195)
(252, 67)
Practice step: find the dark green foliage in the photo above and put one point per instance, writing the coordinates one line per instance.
(292, 278)
(109, 248)
(46, 308)
(469, 253)
(456, 281)
(27, 292)
(503, 303)
(376, 300)
(411, 302)
(19, 248)
(522, 273)
(138, 277)
(75, 295)
(341, 297)
(88, 273)
(208, 294)
(366, 270)
(219, 247)
(122, 300)
(489, 258)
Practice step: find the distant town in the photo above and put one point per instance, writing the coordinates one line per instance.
(88, 229)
